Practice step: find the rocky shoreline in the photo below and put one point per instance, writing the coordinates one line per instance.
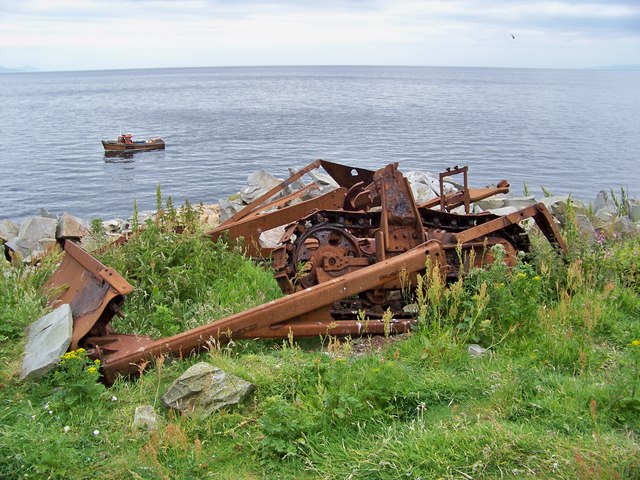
(607, 214)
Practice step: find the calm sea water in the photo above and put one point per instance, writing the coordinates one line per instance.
(571, 131)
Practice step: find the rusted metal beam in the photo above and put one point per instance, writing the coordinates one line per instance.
(287, 308)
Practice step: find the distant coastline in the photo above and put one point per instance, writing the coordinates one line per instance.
(25, 69)
(30, 69)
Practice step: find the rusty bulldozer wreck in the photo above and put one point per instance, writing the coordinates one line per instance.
(342, 254)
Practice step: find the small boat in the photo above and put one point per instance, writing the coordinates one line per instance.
(126, 143)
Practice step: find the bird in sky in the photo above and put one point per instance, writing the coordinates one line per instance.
(513, 36)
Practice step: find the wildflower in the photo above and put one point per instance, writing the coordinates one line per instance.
(114, 398)
(66, 428)
(96, 432)
(96, 362)
(536, 278)
(92, 369)
(635, 343)
(521, 275)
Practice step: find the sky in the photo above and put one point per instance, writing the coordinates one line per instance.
(58, 35)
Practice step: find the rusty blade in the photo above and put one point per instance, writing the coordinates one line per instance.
(94, 292)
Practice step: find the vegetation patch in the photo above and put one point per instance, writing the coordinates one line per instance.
(556, 395)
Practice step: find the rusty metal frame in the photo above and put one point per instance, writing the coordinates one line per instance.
(406, 238)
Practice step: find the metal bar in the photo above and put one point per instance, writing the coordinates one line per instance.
(280, 310)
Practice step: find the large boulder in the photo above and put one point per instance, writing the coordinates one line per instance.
(47, 339)
(71, 227)
(37, 228)
(8, 230)
(205, 389)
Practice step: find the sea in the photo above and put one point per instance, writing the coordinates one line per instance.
(557, 131)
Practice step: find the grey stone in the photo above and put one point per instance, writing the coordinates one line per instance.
(230, 206)
(258, 183)
(30, 250)
(323, 179)
(271, 238)
(503, 210)
(624, 226)
(8, 230)
(47, 339)
(607, 214)
(45, 213)
(602, 201)
(112, 226)
(634, 210)
(36, 228)
(520, 202)
(145, 418)
(476, 350)
(71, 227)
(204, 388)
(586, 228)
(492, 203)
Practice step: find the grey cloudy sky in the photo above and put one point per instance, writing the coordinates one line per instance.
(109, 34)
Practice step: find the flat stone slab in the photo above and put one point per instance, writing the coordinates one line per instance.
(47, 339)
(204, 388)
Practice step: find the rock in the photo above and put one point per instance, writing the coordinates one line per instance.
(71, 227)
(586, 229)
(503, 210)
(607, 214)
(204, 388)
(271, 238)
(624, 226)
(144, 417)
(30, 250)
(47, 339)
(230, 206)
(37, 228)
(113, 225)
(45, 213)
(258, 183)
(634, 210)
(476, 350)
(492, 203)
(520, 202)
(8, 230)
(602, 201)
(323, 179)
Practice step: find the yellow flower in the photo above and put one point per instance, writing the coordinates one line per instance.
(96, 361)
(521, 275)
(92, 369)
(536, 278)
(635, 343)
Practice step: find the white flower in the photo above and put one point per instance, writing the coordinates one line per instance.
(96, 432)
(66, 428)
(50, 412)
(114, 398)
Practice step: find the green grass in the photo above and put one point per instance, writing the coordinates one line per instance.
(553, 398)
